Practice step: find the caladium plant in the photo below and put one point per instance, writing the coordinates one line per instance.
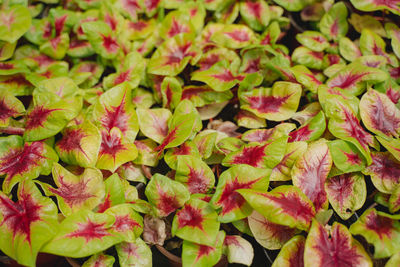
(217, 129)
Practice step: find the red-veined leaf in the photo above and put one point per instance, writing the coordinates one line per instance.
(26, 225)
(346, 156)
(334, 248)
(238, 250)
(135, 253)
(233, 206)
(270, 235)
(292, 253)
(346, 193)
(196, 222)
(380, 229)
(23, 161)
(166, 195)
(284, 205)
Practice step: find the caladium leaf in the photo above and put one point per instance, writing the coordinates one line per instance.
(268, 135)
(266, 155)
(16, 20)
(171, 91)
(234, 36)
(392, 145)
(10, 107)
(146, 152)
(379, 114)
(346, 156)
(153, 122)
(114, 150)
(26, 224)
(282, 171)
(384, 171)
(334, 248)
(114, 193)
(219, 77)
(372, 44)
(346, 193)
(173, 55)
(136, 254)
(353, 78)
(74, 192)
(313, 40)
(394, 33)
(195, 173)
(114, 109)
(233, 205)
(346, 126)
(201, 255)
(128, 223)
(82, 234)
(277, 103)
(16, 84)
(292, 253)
(393, 261)
(196, 222)
(334, 22)
(99, 259)
(372, 5)
(180, 126)
(380, 229)
(49, 114)
(306, 78)
(23, 161)
(6, 50)
(79, 145)
(309, 58)
(213, 56)
(310, 131)
(348, 49)
(394, 200)
(204, 95)
(255, 14)
(101, 38)
(310, 172)
(284, 205)
(188, 148)
(268, 234)
(166, 195)
(238, 250)
(176, 22)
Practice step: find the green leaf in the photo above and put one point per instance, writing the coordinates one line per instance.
(226, 197)
(380, 229)
(346, 193)
(16, 20)
(334, 22)
(26, 224)
(196, 222)
(284, 205)
(166, 195)
(292, 251)
(82, 234)
(135, 254)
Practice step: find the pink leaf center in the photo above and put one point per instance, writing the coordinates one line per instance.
(72, 193)
(90, 231)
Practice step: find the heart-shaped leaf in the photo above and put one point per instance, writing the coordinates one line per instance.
(16, 20)
(346, 156)
(292, 253)
(380, 229)
(334, 22)
(270, 235)
(73, 192)
(255, 14)
(282, 171)
(284, 205)
(23, 161)
(310, 172)
(10, 107)
(201, 255)
(277, 103)
(346, 193)
(234, 207)
(134, 254)
(196, 222)
(166, 195)
(82, 234)
(26, 224)
(335, 248)
(79, 145)
(154, 122)
(379, 114)
(195, 173)
(99, 260)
